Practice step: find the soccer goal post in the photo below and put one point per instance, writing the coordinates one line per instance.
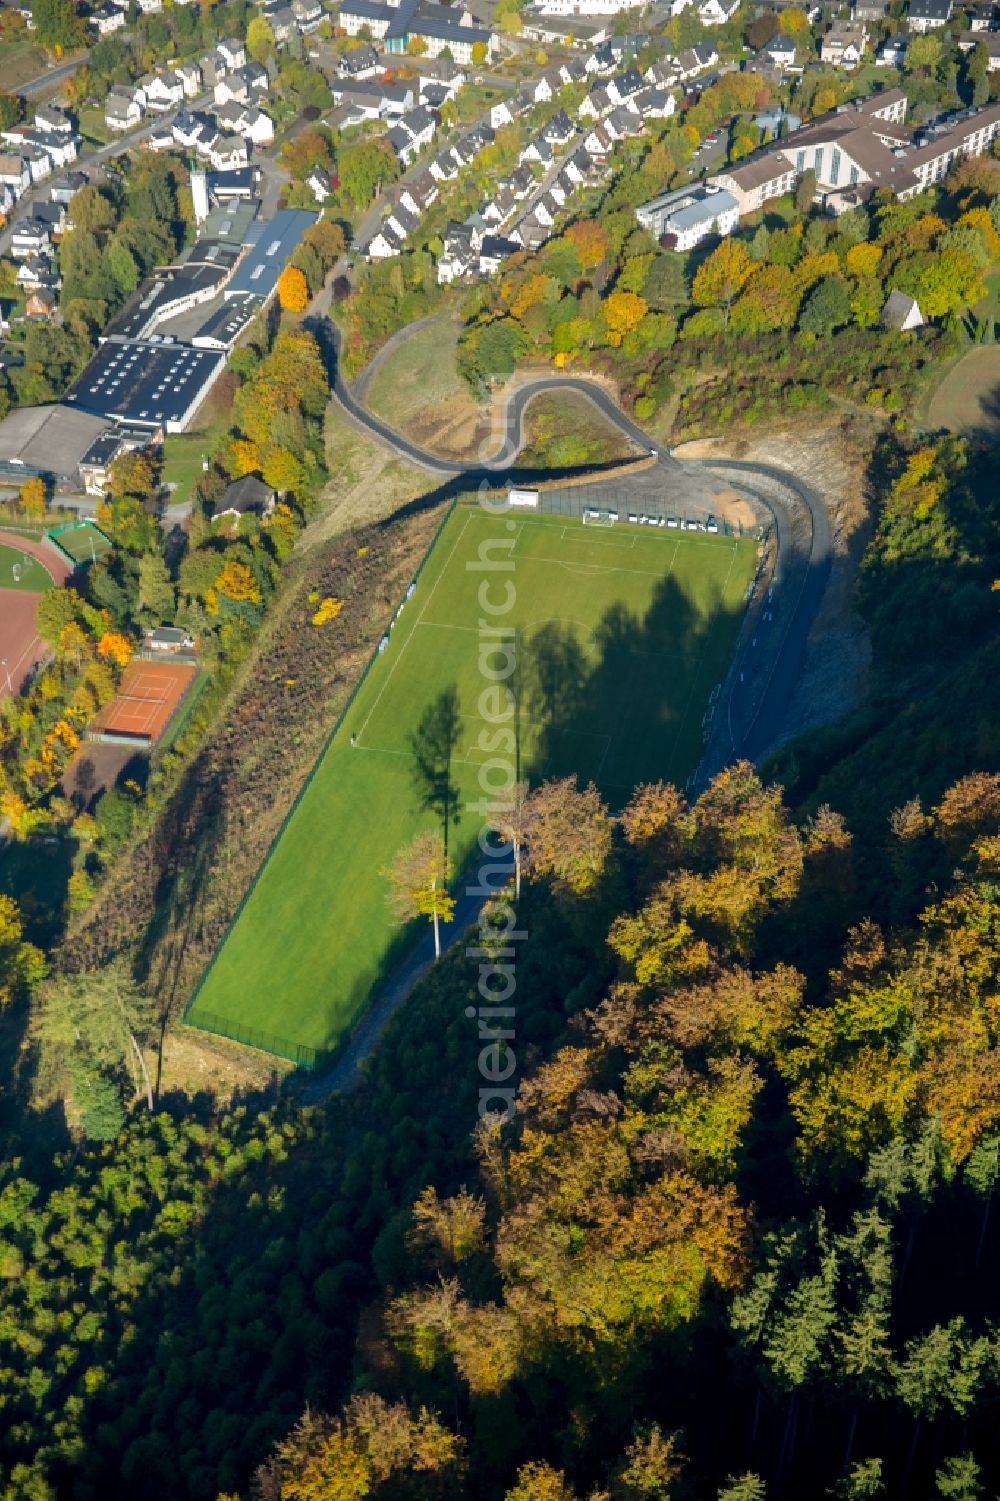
(599, 518)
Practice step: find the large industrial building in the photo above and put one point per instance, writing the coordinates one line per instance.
(149, 383)
(160, 356)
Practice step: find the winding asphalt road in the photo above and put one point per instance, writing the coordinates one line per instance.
(798, 515)
(751, 714)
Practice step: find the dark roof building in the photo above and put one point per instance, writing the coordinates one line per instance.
(272, 244)
(246, 496)
(147, 384)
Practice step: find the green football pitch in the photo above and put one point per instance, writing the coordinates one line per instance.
(620, 635)
(18, 570)
(84, 543)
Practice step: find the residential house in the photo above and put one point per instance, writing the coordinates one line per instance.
(162, 90)
(255, 77)
(459, 255)
(231, 88)
(901, 312)
(892, 52)
(695, 60)
(308, 14)
(870, 10)
(494, 250)
(53, 121)
(107, 19)
(717, 12)
(64, 189)
(229, 153)
(360, 62)
(230, 54)
(191, 79)
(599, 143)
(14, 173)
(51, 214)
(928, 15)
(123, 109)
(418, 194)
(383, 245)
(663, 74)
(988, 39)
(402, 221)
(537, 150)
(844, 44)
(248, 496)
(501, 114)
(30, 238)
(653, 104)
(597, 104)
(560, 129)
(624, 86)
(981, 16)
(34, 273)
(319, 183)
(781, 50)
(160, 138)
(445, 167)
(41, 303)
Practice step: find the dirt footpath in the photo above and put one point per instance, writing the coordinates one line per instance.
(832, 461)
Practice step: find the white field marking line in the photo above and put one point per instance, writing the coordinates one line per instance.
(644, 573)
(623, 544)
(402, 649)
(445, 567)
(696, 675)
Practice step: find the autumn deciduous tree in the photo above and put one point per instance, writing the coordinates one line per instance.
(21, 964)
(720, 278)
(293, 290)
(355, 1455)
(419, 878)
(451, 1230)
(624, 312)
(569, 834)
(590, 242)
(116, 647)
(31, 497)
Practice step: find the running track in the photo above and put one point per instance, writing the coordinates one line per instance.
(21, 647)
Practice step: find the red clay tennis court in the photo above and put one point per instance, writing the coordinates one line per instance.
(146, 700)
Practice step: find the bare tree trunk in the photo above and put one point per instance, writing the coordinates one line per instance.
(143, 1069)
(437, 927)
(517, 870)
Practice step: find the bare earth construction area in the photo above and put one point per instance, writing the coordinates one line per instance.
(621, 634)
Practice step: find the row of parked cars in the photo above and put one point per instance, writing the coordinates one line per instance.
(710, 524)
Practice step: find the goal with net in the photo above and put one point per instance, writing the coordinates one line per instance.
(600, 518)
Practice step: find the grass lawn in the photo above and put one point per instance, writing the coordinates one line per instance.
(989, 306)
(183, 454)
(18, 571)
(84, 543)
(421, 372)
(92, 126)
(625, 633)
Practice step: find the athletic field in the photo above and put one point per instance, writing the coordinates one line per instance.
(84, 543)
(18, 570)
(619, 634)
